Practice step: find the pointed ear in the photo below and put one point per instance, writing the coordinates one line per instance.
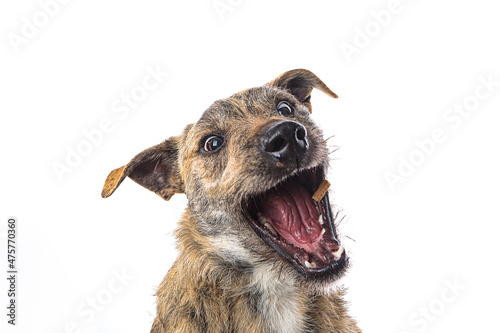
(300, 83)
(155, 168)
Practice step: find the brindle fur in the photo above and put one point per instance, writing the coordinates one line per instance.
(226, 279)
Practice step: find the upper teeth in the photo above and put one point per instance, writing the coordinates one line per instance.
(320, 220)
(337, 254)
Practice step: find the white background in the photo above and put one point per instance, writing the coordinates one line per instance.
(437, 227)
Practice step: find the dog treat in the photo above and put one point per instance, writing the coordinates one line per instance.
(320, 192)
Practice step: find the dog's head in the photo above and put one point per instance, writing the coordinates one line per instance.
(249, 168)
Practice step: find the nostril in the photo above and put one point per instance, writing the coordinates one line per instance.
(275, 145)
(300, 134)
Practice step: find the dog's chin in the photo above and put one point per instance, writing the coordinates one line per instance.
(298, 228)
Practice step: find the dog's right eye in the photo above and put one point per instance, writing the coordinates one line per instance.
(285, 109)
(213, 143)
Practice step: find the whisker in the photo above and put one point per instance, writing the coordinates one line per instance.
(351, 238)
(334, 149)
(331, 147)
(341, 220)
(330, 137)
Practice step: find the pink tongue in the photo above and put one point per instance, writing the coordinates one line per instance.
(291, 211)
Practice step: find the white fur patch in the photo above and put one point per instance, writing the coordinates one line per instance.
(230, 246)
(280, 303)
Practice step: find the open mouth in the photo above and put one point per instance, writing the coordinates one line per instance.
(299, 227)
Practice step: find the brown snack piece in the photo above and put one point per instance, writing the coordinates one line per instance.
(320, 192)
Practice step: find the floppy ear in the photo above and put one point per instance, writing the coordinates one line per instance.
(300, 83)
(155, 168)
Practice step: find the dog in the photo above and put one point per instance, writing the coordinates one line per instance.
(258, 247)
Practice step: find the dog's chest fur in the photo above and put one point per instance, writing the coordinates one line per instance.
(280, 302)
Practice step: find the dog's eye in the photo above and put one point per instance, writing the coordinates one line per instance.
(285, 109)
(213, 143)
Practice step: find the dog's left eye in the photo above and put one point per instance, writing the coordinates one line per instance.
(213, 143)
(285, 109)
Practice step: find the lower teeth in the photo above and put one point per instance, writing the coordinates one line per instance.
(310, 264)
(270, 227)
(263, 221)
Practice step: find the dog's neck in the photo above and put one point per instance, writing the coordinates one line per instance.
(280, 304)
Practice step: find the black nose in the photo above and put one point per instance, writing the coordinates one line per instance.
(285, 141)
